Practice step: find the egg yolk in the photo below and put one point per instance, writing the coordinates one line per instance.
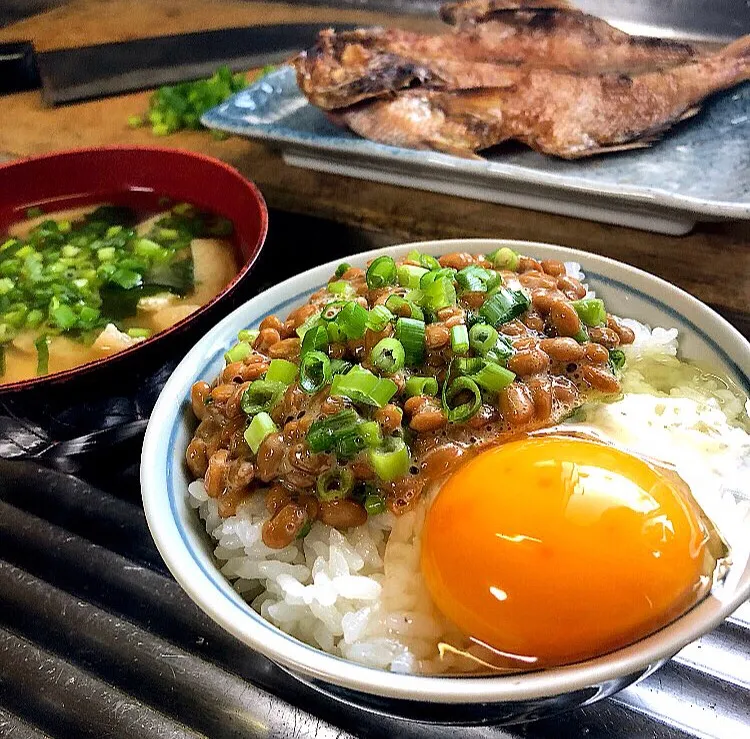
(555, 549)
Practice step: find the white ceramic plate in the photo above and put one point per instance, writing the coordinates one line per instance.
(187, 550)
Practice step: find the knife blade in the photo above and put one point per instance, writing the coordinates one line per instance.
(103, 70)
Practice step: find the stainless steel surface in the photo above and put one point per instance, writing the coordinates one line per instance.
(696, 19)
(710, 20)
(97, 640)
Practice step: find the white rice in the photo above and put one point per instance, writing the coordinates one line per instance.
(359, 594)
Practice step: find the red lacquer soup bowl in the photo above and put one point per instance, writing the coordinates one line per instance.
(142, 178)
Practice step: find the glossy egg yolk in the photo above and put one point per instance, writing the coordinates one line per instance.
(557, 549)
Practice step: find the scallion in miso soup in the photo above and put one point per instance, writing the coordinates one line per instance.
(80, 285)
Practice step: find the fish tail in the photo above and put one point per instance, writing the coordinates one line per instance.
(738, 50)
(723, 69)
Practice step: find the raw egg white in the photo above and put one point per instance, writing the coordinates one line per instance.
(554, 549)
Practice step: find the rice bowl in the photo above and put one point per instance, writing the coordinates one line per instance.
(293, 597)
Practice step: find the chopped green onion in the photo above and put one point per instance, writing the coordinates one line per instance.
(148, 248)
(482, 338)
(460, 387)
(34, 212)
(340, 366)
(616, 359)
(378, 318)
(414, 296)
(447, 273)
(501, 352)
(315, 340)
(409, 276)
(352, 320)
(335, 333)
(260, 396)
(324, 432)
(395, 304)
(314, 371)
(411, 333)
(371, 433)
(34, 318)
(459, 339)
(238, 352)
(374, 504)
(583, 335)
(261, 426)
(305, 530)
(468, 365)
(63, 316)
(425, 260)
(477, 279)
(174, 108)
(281, 370)
(139, 333)
(381, 273)
(341, 269)
(248, 335)
(335, 484)
(416, 385)
(106, 253)
(42, 355)
(127, 279)
(493, 377)
(504, 258)
(362, 435)
(392, 460)
(311, 322)
(331, 310)
(87, 316)
(362, 386)
(591, 311)
(340, 287)
(439, 294)
(504, 306)
(388, 355)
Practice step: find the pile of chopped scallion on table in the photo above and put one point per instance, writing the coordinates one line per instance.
(174, 108)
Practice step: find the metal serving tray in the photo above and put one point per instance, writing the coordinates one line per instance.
(97, 640)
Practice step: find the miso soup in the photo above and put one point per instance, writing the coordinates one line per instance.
(81, 284)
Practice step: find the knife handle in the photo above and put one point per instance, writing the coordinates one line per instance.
(18, 69)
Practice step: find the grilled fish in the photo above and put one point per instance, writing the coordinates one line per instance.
(346, 68)
(342, 69)
(556, 35)
(557, 113)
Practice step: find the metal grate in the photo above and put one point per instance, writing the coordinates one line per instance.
(96, 639)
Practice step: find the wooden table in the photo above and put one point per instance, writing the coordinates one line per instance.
(713, 262)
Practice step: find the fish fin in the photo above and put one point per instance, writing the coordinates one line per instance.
(689, 113)
(644, 141)
(457, 151)
(631, 145)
